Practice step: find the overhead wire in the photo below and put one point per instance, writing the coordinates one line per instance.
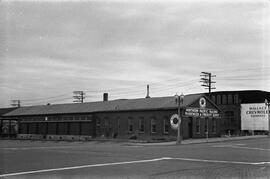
(160, 86)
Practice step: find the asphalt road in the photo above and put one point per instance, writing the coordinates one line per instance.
(231, 159)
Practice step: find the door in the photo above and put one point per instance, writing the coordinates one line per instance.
(190, 127)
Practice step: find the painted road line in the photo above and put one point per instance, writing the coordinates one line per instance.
(132, 162)
(228, 145)
(240, 147)
(79, 167)
(221, 161)
(250, 148)
(42, 147)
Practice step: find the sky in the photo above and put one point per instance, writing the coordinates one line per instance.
(50, 49)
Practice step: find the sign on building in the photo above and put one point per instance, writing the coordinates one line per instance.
(254, 117)
(198, 112)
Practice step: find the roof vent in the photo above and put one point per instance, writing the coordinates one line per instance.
(147, 95)
(105, 96)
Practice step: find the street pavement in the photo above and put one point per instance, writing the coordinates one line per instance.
(234, 158)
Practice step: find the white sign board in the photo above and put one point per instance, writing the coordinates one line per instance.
(254, 117)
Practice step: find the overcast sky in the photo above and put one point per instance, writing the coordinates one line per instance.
(49, 49)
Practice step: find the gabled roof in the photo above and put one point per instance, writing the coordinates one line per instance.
(6, 110)
(104, 106)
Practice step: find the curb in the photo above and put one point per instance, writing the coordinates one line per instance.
(198, 141)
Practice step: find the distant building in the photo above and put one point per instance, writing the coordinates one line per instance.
(230, 103)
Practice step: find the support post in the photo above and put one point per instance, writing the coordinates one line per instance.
(179, 125)
(179, 100)
(267, 105)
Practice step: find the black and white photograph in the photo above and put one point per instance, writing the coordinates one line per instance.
(132, 89)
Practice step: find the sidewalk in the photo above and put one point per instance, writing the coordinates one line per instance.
(199, 141)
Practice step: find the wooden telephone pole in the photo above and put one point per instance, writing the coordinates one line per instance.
(207, 81)
(16, 103)
(78, 96)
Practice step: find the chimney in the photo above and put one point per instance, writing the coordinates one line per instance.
(105, 96)
(147, 95)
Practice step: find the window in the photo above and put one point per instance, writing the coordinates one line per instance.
(70, 118)
(55, 118)
(98, 122)
(218, 99)
(98, 126)
(230, 99)
(83, 118)
(166, 125)
(89, 118)
(197, 125)
(153, 125)
(224, 99)
(65, 118)
(106, 122)
(130, 125)
(118, 125)
(214, 125)
(213, 98)
(235, 99)
(206, 125)
(141, 124)
(107, 127)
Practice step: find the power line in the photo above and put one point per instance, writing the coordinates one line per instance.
(44, 98)
(127, 92)
(241, 69)
(47, 101)
(129, 88)
(242, 74)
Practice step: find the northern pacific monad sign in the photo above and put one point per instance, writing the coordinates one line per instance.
(201, 112)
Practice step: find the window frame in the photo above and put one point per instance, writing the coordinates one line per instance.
(153, 123)
(219, 98)
(166, 123)
(130, 125)
(214, 125)
(224, 100)
(141, 123)
(198, 125)
(206, 127)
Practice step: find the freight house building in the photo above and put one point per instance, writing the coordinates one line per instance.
(145, 118)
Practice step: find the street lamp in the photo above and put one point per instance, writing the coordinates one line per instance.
(267, 104)
(179, 100)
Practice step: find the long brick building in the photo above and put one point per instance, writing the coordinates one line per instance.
(144, 118)
(132, 118)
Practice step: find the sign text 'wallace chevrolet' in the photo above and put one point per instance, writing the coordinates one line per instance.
(198, 112)
(254, 116)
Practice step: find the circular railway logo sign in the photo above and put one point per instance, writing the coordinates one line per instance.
(175, 121)
(202, 102)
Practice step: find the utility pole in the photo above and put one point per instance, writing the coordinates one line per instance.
(78, 96)
(16, 103)
(267, 105)
(207, 81)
